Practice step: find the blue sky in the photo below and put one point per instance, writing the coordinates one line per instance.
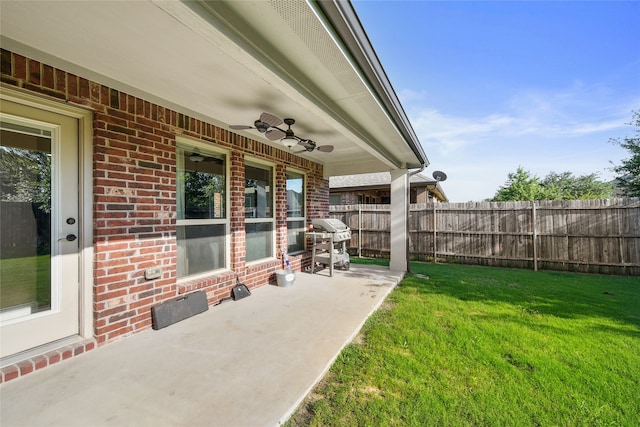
(491, 86)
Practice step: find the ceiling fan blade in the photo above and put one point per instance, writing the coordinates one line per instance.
(240, 127)
(270, 119)
(273, 134)
(325, 148)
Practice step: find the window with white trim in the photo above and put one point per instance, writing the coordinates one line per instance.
(296, 221)
(202, 221)
(258, 211)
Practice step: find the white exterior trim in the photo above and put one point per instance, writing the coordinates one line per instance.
(85, 189)
(399, 207)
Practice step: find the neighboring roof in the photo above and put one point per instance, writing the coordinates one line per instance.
(372, 180)
(226, 62)
(381, 179)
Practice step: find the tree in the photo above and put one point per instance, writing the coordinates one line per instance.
(629, 171)
(26, 176)
(565, 186)
(522, 185)
(200, 189)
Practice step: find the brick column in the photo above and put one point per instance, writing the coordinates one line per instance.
(238, 237)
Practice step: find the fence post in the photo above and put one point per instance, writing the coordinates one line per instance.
(359, 231)
(535, 236)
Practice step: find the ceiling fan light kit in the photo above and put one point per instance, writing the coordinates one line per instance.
(196, 158)
(268, 125)
(289, 139)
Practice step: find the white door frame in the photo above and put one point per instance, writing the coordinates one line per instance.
(85, 193)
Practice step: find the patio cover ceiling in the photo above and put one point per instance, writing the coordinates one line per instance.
(227, 62)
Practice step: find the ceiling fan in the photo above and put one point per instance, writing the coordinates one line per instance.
(268, 124)
(310, 145)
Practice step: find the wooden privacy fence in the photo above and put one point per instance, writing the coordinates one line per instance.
(595, 236)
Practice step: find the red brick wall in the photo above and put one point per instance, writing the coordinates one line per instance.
(134, 171)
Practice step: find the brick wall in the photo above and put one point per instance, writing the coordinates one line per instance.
(134, 171)
(418, 195)
(422, 195)
(349, 198)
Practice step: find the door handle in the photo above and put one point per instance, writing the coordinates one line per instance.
(69, 237)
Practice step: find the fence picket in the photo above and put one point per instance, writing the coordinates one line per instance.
(600, 236)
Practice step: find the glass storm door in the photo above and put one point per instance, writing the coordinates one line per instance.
(39, 275)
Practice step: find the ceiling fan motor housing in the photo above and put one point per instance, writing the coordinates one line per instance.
(261, 126)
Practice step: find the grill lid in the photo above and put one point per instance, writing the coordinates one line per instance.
(329, 225)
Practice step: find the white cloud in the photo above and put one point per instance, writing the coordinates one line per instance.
(541, 131)
(449, 133)
(589, 128)
(408, 96)
(530, 113)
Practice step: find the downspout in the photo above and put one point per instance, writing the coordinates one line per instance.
(409, 175)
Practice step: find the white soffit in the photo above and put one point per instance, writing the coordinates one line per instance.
(224, 62)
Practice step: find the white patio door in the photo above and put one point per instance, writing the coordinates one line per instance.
(39, 259)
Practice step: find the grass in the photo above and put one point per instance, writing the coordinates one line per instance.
(25, 280)
(480, 346)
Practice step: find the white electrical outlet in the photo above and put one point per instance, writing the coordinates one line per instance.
(153, 273)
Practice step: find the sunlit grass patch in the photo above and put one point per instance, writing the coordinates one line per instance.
(488, 346)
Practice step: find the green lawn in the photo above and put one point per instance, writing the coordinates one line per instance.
(480, 346)
(25, 280)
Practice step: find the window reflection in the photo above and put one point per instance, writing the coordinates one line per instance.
(25, 209)
(202, 224)
(258, 209)
(295, 212)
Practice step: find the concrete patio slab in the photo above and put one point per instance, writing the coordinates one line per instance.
(242, 363)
